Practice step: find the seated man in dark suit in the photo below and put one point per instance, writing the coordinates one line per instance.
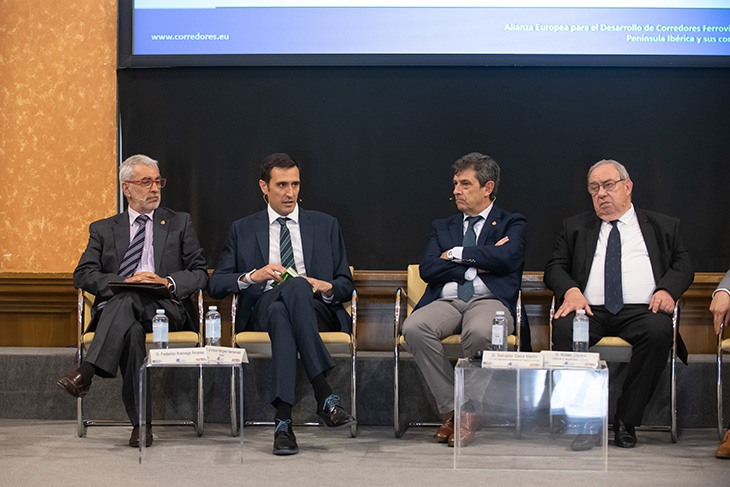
(145, 244)
(625, 267)
(258, 251)
(473, 266)
(720, 308)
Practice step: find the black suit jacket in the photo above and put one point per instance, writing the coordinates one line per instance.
(502, 265)
(247, 248)
(573, 255)
(177, 254)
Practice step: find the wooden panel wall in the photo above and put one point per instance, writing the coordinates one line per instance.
(39, 310)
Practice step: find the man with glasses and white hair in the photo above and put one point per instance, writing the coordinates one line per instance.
(145, 244)
(626, 268)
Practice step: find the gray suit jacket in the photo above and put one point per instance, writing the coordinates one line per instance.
(177, 254)
(725, 283)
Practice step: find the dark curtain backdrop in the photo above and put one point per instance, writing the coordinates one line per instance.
(376, 145)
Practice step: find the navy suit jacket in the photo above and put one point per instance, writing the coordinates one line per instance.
(500, 266)
(247, 248)
(178, 254)
(572, 258)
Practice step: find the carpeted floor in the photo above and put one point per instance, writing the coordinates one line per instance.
(48, 453)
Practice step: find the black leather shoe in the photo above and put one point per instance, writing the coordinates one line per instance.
(624, 434)
(285, 443)
(134, 438)
(73, 384)
(585, 442)
(332, 415)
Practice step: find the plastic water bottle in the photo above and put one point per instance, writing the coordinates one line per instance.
(213, 327)
(160, 329)
(499, 332)
(580, 331)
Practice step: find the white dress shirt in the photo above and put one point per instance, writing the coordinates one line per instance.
(637, 278)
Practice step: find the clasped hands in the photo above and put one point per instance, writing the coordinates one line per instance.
(147, 277)
(574, 300)
(274, 271)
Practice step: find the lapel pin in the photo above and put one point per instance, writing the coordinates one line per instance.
(494, 222)
(162, 222)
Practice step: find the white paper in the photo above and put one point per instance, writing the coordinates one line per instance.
(511, 360)
(588, 360)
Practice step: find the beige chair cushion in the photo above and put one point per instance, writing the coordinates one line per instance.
(257, 343)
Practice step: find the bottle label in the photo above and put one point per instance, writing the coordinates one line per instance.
(497, 334)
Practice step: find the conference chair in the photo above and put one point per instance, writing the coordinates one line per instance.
(415, 287)
(723, 345)
(615, 349)
(177, 339)
(258, 344)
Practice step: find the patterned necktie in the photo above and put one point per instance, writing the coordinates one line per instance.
(613, 290)
(285, 248)
(465, 291)
(134, 252)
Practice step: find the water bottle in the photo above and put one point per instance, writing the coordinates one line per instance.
(499, 332)
(580, 331)
(213, 327)
(160, 329)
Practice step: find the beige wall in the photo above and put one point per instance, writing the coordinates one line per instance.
(57, 129)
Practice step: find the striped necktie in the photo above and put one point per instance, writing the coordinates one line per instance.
(465, 291)
(285, 248)
(133, 255)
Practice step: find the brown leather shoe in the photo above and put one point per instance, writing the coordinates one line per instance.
(723, 451)
(445, 430)
(134, 438)
(73, 384)
(470, 424)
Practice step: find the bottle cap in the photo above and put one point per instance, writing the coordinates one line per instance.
(160, 311)
(500, 313)
(580, 311)
(212, 308)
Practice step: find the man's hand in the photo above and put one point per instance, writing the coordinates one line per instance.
(502, 241)
(323, 287)
(573, 300)
(270, 272)
(661, 301)
(720, 308)
(147, 277)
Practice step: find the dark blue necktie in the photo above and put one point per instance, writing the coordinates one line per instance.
(285, 248)
(465, 291)
(133, 255)
(613, 290)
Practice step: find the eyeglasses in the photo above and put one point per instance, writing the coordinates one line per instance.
(146, 183)
(608, 185)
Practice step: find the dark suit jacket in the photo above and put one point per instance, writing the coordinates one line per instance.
(177, 254)
(573, 255)
(247, 248)
(502, 265)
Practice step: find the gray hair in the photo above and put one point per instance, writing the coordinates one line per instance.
(485, 167)
(619, 167)
(126, 170)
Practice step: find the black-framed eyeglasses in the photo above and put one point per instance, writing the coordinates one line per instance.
(146, 183)
(608, 185)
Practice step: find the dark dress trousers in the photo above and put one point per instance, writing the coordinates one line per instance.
(119, 342)
(291, 314)
(650, 334)
(502, 264)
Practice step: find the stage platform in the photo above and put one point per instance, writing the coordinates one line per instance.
(28, 391)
